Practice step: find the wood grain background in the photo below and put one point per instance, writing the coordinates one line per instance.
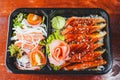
(7, 6)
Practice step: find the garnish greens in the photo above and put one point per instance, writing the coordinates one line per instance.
(17, 21)
(55, 67)
(15, 51)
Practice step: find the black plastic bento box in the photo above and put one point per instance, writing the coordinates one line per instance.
(49, 14)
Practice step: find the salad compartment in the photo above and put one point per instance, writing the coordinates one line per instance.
(10, 61)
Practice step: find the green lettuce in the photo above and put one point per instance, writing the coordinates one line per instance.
(15, 51)
(47, 49)
(55, 35)
(55, 67)
(17, 21)
(43, 42)
(43, 19)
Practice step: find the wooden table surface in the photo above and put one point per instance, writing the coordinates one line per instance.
(111, 6)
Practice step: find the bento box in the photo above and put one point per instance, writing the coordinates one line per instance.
(58, 41)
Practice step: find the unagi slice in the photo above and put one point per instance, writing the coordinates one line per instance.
(86, 65)
(78, 52)
(92, 56)
(66, 30)
(77, 48)
(84, 48)
(98, 35)
(81, 37)
(95, 46)
(99, 20)
(84, 21)
(72, 37)
(69, 20)
(87, 57)
(97, 27)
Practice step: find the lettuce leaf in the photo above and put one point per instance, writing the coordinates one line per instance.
(15, 51)
(47, 49)
(43, 42)
(17, 21)
(55, 67)
(43, 19)
(55, 35)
